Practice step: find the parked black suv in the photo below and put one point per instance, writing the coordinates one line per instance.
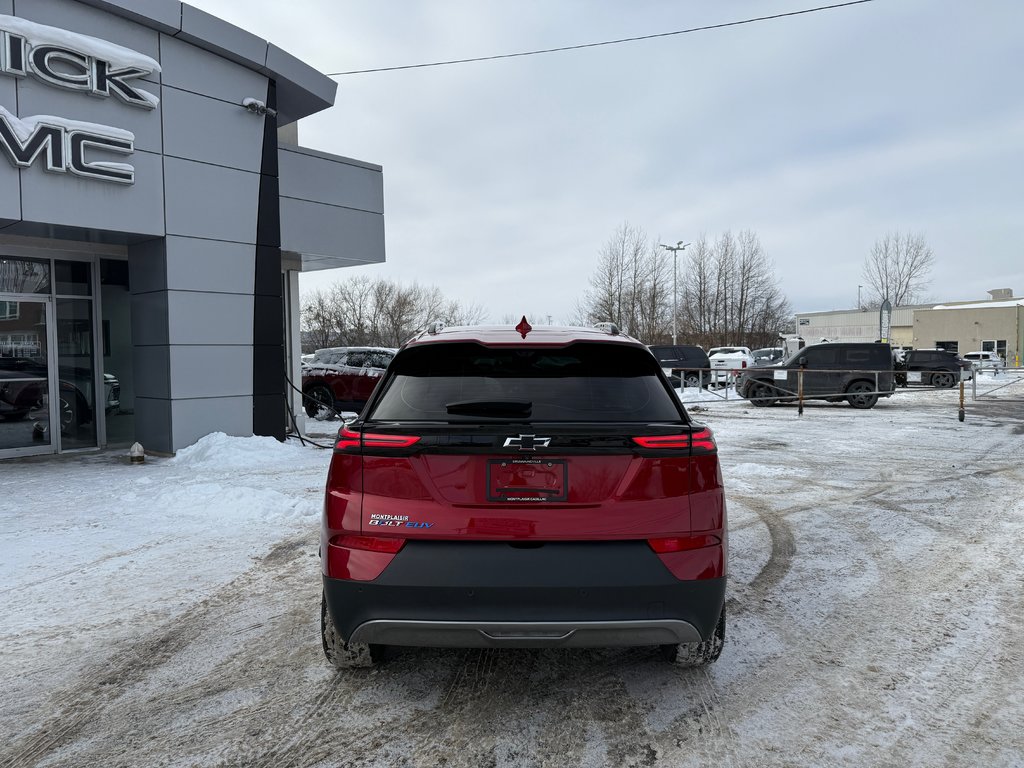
(689, 364)
(938, 368)
(857, 373)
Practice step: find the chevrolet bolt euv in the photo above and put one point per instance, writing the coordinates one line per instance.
(520, 488)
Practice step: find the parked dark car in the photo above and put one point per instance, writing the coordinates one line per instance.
(23, 383)
(856, 373)
(343, 378)
(524, 488)
(689, 364)
(939, 368)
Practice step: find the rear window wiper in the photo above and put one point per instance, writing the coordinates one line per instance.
(490, 408)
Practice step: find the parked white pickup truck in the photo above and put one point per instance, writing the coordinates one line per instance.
(726, 361)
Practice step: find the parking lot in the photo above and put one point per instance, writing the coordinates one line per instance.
(168, 615)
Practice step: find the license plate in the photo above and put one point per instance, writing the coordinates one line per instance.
(528, 480)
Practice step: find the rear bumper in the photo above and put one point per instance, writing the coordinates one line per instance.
(495, 594)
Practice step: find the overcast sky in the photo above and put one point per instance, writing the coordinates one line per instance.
(822, 132)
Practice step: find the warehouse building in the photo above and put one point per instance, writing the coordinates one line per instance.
(967, 326)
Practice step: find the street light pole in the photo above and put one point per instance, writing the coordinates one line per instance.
(679, 246)
(858, 296)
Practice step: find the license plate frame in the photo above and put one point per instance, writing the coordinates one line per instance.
(531, 481)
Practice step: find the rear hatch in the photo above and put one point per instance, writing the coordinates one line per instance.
(567, 443)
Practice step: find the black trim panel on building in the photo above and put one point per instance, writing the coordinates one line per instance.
(268, 369)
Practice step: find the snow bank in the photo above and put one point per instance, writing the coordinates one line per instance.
(222, 451)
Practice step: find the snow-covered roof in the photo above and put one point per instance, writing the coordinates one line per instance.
(983, 305)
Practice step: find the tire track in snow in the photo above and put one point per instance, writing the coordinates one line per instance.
(83, 568)
(74, 708)
(783, 546)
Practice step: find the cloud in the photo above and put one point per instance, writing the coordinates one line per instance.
(503, 179)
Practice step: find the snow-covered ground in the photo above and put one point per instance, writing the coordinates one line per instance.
(167, 614)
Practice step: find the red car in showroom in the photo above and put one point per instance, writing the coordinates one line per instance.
(520, 487)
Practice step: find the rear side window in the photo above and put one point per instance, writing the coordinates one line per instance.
(472, 383)
(821, 357)
(876, 356)
(378, 359)
(356, 359)
(668, 354)
(856, 356)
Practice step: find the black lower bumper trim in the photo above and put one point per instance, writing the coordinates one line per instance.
(479, 594)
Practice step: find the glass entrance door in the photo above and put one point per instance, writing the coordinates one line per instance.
(26, 378)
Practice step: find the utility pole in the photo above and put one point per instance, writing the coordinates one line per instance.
(679, 246)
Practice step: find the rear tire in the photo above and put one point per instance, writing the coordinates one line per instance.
(943, 380)
(316, 398)
(698, 654)
(857, 395)
(341, 654)
(691, 380)
(760, 395)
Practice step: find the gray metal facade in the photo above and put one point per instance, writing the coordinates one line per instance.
(197, 227)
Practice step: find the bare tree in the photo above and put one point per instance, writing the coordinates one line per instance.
(897, 269)
(364, 311)
(321, 320)
(630, 287)
(455, 313)
(730, 294)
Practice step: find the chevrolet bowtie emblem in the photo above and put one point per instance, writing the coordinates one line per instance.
(527, 442)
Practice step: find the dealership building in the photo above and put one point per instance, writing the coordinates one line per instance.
(155, 211)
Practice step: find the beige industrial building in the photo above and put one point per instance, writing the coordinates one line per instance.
(996, 326)
(966, 326)
(857, 325)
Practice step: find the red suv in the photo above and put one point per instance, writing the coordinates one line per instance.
(342, 378)
(518, 487)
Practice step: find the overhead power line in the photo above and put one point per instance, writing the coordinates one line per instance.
(705, 28)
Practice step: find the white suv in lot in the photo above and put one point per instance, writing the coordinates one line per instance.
(981, 361)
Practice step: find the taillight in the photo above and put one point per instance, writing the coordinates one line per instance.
(683, 543)
(701, 441)
(369, 543)
(349, 439)
(663, 441)
(743, 363)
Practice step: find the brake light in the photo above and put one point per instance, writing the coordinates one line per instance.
(701, 441)
(369, 543)
(683, 543)
(743, 364)
(663, 441)
(349, 439)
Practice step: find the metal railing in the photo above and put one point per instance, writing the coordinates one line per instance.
(788, 385)
(1008, 378)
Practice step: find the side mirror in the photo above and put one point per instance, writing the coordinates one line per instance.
(802, 361)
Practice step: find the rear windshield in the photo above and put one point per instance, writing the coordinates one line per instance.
(472, 383)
